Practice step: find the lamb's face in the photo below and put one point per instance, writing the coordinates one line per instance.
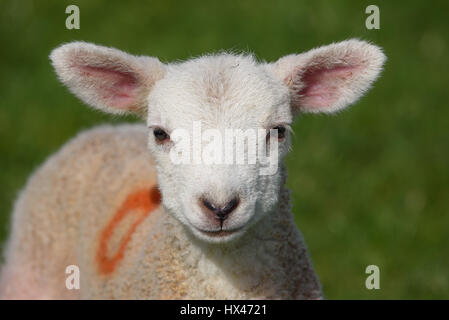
(194, 107)
(197, 107)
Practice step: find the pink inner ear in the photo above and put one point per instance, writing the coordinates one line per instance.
(323, 86)
(115, 87)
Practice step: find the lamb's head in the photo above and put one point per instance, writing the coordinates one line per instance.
(209, 119)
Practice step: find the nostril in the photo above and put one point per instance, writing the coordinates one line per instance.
(230, 206)
(209, 205)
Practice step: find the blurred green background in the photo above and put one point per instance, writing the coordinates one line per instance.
(370, 185)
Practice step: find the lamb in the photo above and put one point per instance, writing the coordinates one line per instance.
(140, 226)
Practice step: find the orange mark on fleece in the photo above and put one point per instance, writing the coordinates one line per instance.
(142, 202)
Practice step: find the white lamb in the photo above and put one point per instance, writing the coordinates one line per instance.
(215, 231)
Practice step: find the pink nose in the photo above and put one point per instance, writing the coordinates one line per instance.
(216, 211)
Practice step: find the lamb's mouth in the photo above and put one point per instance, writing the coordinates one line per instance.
(220, 233)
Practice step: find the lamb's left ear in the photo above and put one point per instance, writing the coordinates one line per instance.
(107, 78)
(330, 78)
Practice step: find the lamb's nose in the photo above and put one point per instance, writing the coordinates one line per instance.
(220, 212)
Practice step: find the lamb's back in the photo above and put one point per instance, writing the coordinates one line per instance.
(84, 206)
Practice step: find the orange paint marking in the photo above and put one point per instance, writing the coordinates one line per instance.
(143, 201)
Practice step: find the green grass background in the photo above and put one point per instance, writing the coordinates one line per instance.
(370, 185)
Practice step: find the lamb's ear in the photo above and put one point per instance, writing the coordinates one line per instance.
(330, 78)
(107, 78)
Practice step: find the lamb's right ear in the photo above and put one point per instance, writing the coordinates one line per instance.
(330, 78)
(107, 78)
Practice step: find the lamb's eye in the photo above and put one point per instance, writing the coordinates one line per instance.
(160, 135)
(281, 132)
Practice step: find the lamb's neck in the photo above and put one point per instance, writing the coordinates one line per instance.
(269, 260)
